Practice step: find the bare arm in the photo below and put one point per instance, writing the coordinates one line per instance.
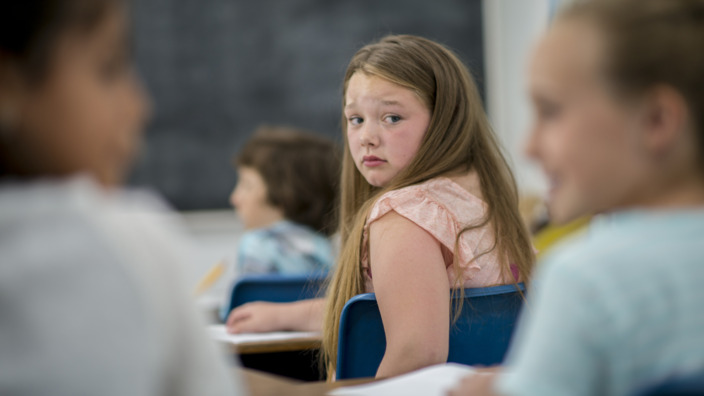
(413, 292)
(262, 317)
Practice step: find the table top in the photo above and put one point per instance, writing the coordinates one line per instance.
(296, 344)
(264, 384)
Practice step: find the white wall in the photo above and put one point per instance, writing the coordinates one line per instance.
(214, 235)
(511, 28)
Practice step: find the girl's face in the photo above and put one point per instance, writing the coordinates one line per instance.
(87, 113)
(585, 140)
(385, 126)
(250, 199)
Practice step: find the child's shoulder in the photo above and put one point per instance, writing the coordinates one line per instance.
(80, 205)
(72, 224)
(634, 243)
(77, 199)
(439, 206)
(281, 230)
(437, 186)
(285, 235)
(439, 194)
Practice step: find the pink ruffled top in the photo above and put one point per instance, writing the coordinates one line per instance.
(442, 208)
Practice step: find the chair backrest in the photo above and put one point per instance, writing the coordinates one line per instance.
(690, 385)
(276, 288)
(481, 335)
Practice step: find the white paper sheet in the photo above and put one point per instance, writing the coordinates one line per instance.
(218, 333)
(430, 381)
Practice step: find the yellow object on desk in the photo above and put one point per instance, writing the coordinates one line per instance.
(210, 277)
(552, 235)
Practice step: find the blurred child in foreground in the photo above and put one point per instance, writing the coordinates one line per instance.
(92, 299)
(617, 87)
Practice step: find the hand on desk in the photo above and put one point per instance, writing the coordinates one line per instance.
(255, 317)
(480, 383)
(263, 317)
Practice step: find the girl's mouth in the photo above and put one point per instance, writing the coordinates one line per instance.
(372, 161)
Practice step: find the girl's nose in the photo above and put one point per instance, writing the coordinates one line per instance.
(369, 135)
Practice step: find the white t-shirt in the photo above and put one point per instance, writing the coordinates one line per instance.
(91, 297)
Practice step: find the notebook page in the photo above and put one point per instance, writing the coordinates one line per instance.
(218, 333)
(430, 381)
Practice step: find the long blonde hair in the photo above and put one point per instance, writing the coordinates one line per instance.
(459, 137)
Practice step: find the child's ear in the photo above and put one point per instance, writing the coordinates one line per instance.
(666, 119)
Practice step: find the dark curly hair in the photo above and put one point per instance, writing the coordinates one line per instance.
(29, 33)
(301, 172)
(30, 29)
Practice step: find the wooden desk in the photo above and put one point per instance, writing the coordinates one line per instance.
(296, 358)
(264, 384)
(297, 344)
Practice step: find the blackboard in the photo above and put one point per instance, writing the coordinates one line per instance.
(216, 69)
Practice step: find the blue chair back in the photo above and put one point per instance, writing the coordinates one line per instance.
(276, 288)
(690, 385)
(481, 335)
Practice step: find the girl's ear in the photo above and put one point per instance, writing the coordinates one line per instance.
(666, 119)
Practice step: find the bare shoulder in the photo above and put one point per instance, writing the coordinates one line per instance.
(395, 234)
(396, 224)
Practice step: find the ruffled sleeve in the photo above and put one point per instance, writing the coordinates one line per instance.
(443, 209)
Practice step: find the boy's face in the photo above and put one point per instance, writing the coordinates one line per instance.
(583, 137)
(250, 199)
(87, 113)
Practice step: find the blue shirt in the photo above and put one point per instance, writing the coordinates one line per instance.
(616, 310)
(284, 248)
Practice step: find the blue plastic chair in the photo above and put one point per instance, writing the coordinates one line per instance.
(480, 336)
(276, 288)
(685, 386)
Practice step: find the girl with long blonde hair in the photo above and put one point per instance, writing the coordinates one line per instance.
(428, 204)
(94, 298)
(424, 211)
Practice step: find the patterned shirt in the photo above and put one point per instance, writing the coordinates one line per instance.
(284, 248)
(614, 311)
(443, 208)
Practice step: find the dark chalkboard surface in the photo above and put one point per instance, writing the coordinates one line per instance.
(216, 69)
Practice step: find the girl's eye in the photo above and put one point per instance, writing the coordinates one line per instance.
(355, 120)
(547, 111)
(392, 119)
